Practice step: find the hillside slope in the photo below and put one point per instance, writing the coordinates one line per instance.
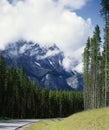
(90, 120)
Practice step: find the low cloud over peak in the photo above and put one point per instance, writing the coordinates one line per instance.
(45, 22)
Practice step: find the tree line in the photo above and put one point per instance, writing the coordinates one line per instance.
(96, 65)
(22, 98)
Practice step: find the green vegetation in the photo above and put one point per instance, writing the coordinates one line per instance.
(90, 120)
(20, 98)
(96, 65)
(5, 118)
(93, 72)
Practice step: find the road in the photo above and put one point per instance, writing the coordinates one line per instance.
(14, 124)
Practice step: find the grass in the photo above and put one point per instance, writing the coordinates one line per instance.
(89, 120)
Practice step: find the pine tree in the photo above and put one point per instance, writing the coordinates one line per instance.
(92, 71)
(87, 95)
(2, 83)
(105, 14)
(95, 68)
(21, 98)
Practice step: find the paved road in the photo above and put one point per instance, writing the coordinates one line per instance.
(14, 124)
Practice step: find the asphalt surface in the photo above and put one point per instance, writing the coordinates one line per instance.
(15, 124)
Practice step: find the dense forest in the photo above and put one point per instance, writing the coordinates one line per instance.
(96, 65)
(22, 98)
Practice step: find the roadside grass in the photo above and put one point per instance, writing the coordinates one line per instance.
(97, 119)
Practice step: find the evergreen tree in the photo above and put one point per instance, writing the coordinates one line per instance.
(2, 83)
(92, 64)
(87, 89)
(95, 68)
(105, 14)
(22, 98)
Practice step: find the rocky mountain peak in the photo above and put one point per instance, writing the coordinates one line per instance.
(43, 64)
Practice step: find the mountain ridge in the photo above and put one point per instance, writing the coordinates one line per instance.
(42, 64)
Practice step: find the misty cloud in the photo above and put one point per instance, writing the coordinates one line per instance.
(46, 22)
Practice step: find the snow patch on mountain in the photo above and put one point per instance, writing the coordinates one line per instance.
(37, 64)
(47, 65)
(49, 53)
(23, 49)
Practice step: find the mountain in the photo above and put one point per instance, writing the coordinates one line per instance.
(42, 64)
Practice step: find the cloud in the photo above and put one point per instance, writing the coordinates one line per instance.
(46, 22)
(49, 54)
(74, 62)
(74, 4)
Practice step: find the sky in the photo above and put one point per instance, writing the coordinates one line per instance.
(66, 23)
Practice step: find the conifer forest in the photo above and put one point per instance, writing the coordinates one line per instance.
(96, 65)
(21, 98)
